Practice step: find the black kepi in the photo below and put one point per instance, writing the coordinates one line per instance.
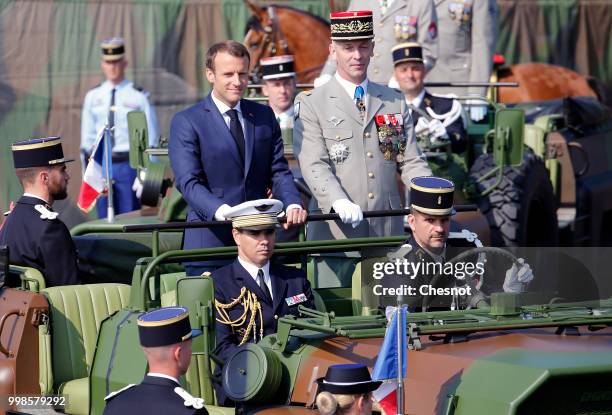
(165, 326)
(432, 195)
(38, 152)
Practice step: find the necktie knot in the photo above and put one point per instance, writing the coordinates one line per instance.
(262, 284)
(359, 92)
(233, 114)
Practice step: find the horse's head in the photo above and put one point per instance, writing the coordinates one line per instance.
(263, 36)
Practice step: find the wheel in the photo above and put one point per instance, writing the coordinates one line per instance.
(522, 210)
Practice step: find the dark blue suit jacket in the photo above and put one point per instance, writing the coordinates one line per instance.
(209, 171)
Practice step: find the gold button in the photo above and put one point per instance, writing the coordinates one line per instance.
(367, 135)
(369, 154)
(337, 137)
(377, 54)
(371, 195)
(381, 24)
(275, 316)
(375, 70)
(379, 40)
(371, 175)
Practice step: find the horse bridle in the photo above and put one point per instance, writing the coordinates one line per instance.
(272, 32)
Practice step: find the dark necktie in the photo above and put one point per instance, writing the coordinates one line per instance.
(263, 286)
(236, 130)
(111, 117)
(359, 101)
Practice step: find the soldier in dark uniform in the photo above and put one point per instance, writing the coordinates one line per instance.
(35, 236)
(436, 119)
(251, 284)
(165, 335)
(440, 282)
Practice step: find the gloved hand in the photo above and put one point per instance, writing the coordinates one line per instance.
(517, 278)
(137, 187)
(421, 127)
(322, 80)
(222, 211)
(348, 212)
(477, 109)
(436, 130)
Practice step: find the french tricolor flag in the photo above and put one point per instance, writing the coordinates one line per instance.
(94, 179)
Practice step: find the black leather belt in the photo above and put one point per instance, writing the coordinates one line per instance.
(121, 157)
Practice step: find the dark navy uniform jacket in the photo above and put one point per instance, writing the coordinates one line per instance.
(440, 105)
(44, 244)
(209, 169)
(286, 283)
(154, 396)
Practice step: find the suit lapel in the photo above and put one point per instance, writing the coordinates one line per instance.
(249, 134)
(374, 102)
(279, 288)
(342, 100)
(397, 4)
(220, 130)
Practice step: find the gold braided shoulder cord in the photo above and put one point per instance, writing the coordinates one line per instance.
(249, 303)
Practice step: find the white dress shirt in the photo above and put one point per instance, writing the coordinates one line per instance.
(223, 109)
(350, 87)
(252, 270)
(416, 102)
(285, 119)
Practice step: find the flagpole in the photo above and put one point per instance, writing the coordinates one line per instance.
(400, 352)
(110, 212)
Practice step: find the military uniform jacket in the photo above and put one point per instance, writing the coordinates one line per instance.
(467, 36)
(41, 243)
(454, 246)
(440, 105)
(154, 396)
(403, 21)
(328, 122)
(286, 283)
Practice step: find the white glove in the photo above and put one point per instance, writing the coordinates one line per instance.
(422, 126)
(137, 187)
(393, 83)
(322, 80)
(222, 211)
(517, 278)
(436, 130)
(477, 109)
(348, 211)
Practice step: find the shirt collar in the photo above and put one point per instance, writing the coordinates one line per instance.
(222, 107)
(120, 85)
(417, 101)
(350, 87)
(37, 197)
(161, 375)
(253, 269)
(286, 114)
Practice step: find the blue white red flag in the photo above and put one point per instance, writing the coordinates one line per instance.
(94, 180)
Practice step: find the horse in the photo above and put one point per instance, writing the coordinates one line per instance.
(283, 30)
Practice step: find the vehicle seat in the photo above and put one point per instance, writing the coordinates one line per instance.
(76, 313)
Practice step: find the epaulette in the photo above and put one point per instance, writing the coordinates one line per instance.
(45, 213)
(401, 252)
(115, 393)
(138, 88)
(189, 400)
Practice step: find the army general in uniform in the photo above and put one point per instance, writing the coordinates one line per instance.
(351, 136)
(395, 21)
(165, 335)
(35, 236)
(251, 293)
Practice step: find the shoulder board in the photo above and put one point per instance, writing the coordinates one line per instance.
(466, 235)
(45, 213)
(138, 88)
(189, 400)
(307, 93)
(115, 393)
